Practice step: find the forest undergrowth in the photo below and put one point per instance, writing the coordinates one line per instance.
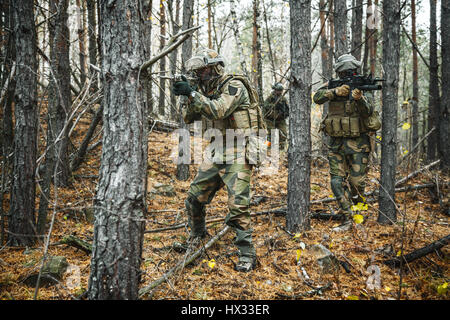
(287, 267)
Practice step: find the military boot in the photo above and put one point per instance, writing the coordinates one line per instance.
(247, 252)
(196, 218)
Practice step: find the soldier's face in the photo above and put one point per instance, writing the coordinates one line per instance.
(204, 74)
(278, 92)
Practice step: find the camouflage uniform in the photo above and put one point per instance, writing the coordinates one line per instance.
(349, 146)
(226, 101)
(276, 110)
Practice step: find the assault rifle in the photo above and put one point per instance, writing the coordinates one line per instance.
(364, 83)
(182, 77)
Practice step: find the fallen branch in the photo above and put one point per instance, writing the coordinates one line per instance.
(76, 242)
(419, 253)
(305, 294)
(183, 262)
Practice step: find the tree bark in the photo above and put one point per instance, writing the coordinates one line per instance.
(22, 224)
(391, 57)
(340, 27)
(256, 51)
(92, 40)
(415, 78)
(120, 200)
(357, 19)
(299, 152)
(173, 56)
(162, 61)
(433, 92)
(183, 173)
(235, 26)
(444, 114)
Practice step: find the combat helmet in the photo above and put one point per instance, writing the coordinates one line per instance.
(205, 58)
(277, 86)
(346, 62)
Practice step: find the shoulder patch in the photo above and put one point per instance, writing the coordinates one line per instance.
(232, 90)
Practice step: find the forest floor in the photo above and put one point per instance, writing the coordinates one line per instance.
(285, 261)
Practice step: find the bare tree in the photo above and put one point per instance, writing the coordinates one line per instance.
(415, 78)
(299, 152)
(391, 59)
(120, 200)
(357, 19)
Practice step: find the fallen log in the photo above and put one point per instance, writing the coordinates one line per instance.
(183, 262)
(75, 242)
(419, 253)
(305, 294)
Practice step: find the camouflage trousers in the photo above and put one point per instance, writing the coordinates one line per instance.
(282, 133)
(348, 159)
(210, 178)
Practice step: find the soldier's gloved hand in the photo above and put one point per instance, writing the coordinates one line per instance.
(342, 91)
(356, 94)
(181, 88)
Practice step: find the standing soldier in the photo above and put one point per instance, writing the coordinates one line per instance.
(349, 147)
(231, 103)
(276, 110)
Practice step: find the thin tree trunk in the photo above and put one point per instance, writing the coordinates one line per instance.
(209, 25)
(367, 36)
(22, 224)
(415, 79)
(92, 35)
(269, 45)
(433, 92)
(120, 200)
(81, 40)
(374, 39)
(256, 51)
(444, 114)
(391, 57)
(340, 27)
(174, 54)
(162, 61)
(299, 152)
(327, 69)
(235, 26)
(357, 19)
(183, 173)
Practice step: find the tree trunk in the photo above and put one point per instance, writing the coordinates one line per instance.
(367, 36)
(186, 52)
(235, 26)
(269, 41)
(374, 38)
(174, 54)
(81, 40)
(57, 165)
(357, 19)
(444, 114)
(415, 79)
(299, 152)
(148, 50)
(162, 61)
(92, 35)
(391, 57)
(433, 95)
(22, 224)
(340, 27)
(120, 200)
(256, 51)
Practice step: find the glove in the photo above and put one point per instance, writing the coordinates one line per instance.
(342, 91)
(182, 88)
(356, 94)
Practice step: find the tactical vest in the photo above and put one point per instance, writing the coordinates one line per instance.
(343, 119)
(245, 117)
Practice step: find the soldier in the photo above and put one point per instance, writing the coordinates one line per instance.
(349, 146)
(231, 103)
(276, 110)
